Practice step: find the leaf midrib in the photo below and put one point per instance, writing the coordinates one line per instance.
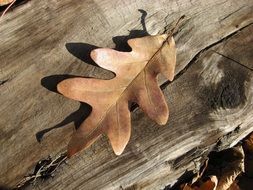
(130, 84)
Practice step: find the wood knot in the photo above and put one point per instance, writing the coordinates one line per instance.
(230, 91)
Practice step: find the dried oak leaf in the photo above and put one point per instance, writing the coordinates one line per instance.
(234, 186)
(5, 2)
(226, 165)
(135, 81)
(248, 148)
(244, 181)
(209, 184)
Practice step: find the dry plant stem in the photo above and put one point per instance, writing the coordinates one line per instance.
(7, 9)
(46, 169)
(175, 28)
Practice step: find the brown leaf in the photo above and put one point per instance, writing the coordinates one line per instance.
(244, 181)
(209, 184)
(234, 186)
(226, 165)
(135, 81)
(187, 187)
(5, 2)
(248, 145)
(248, 148)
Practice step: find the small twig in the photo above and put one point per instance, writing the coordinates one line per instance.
(45, 169)
(7, 9)
(175, 28)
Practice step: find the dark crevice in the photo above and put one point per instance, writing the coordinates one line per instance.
(185, 177)
(44, 169)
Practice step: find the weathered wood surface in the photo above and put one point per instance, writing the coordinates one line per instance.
(211, 97)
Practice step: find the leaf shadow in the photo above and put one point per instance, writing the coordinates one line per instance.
(121, 41)
(82, 51)
(50, 83)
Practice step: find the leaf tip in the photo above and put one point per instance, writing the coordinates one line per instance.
(118, 153)
(162, 122)
(60, 87)
(118, 150)
(171, 77)
(163, 117)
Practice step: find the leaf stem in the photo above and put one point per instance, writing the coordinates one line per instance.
(7, 9)
(175, 28)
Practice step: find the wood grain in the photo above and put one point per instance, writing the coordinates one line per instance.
(211, 96)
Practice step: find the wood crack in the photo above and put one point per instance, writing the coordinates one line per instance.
(232, 60)
(230, 14)
(2, 82)
(196, 57)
